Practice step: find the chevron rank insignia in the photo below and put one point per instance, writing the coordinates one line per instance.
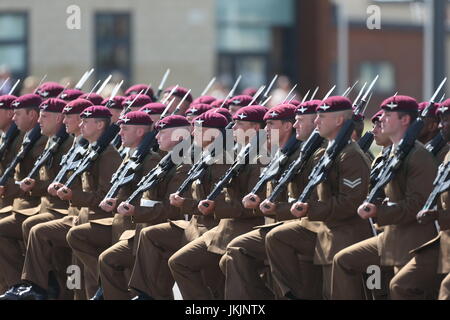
(352, 184)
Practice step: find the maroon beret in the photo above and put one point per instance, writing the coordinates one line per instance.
(49, 90)
(225, 112)
(281, 112)
(377, 116)
(96, 99)
(141, 101)
(135, 118)
(197, 109)
(180, 92)
(308, 107)
(53, 105)
(432, 113)
(96, 112)
(172, 122)
(251, 113)
(116, 102)
(211, 120)
(29, 100)
(6, 101)
(71, 94)
(400, 104)
(295, 102)
(249, 91)
(334, 104)
(218, 104)
(204, 99)
(444, 107)
(153, 108)
(137, 88)
(76, 106)
(241, 101)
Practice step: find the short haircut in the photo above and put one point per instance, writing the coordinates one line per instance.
(412, 115)
(106, 121)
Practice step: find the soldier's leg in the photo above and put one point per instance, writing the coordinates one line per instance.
(87, 241)
(197, 272)
(290, 250)
(349, 265)
(444, 291)
(418, 279)
(36, 219)
(11, 253)
(151, 274)
(112, 265)
(242, 263)
(44, 238)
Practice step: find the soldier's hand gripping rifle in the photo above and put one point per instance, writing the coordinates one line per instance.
(157, 174)
(320, 171)
(10, 135)
(71, 160)
(27, 144)
(275, 165)
(47, 155)
(247, 155)
(308, 148)
(441, 184)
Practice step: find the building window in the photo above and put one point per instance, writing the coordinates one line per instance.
(112, 45)
(14, 43)
(386, 82)
(247, 32)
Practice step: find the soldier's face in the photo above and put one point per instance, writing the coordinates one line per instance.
(131, 135)
(390, 123)
(168, 138)
(90, 128)
(155, 117)
(326, 124)
(304, 126)
(72, 122)
(380, 138)
(49, 122)
(204, 136)
(234, 109)
(115, 114)
(24, 119)
(444, 125)
(5, 118)
(244, 130)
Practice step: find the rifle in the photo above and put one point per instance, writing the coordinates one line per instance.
(366, 141)
(10, 135)
(375, 171)
(71, 159)
(27, 144)
(162, 83)
(83, 79)
(127, 171)
(274, 166)
(436, 144)
(245, 156)
(266, 93)
(91, 155)
(441, 184)
(47, 155)
(308, 148)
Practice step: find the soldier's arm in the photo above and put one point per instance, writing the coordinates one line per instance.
(421, 171)
(353, 175)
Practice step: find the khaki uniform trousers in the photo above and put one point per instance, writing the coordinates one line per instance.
(88, 241)
(151, 274)
(48, 251)
(114, 265)
(418, 279)
(197, 272)
(351, 263)
(14, 231)
(290, 251)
